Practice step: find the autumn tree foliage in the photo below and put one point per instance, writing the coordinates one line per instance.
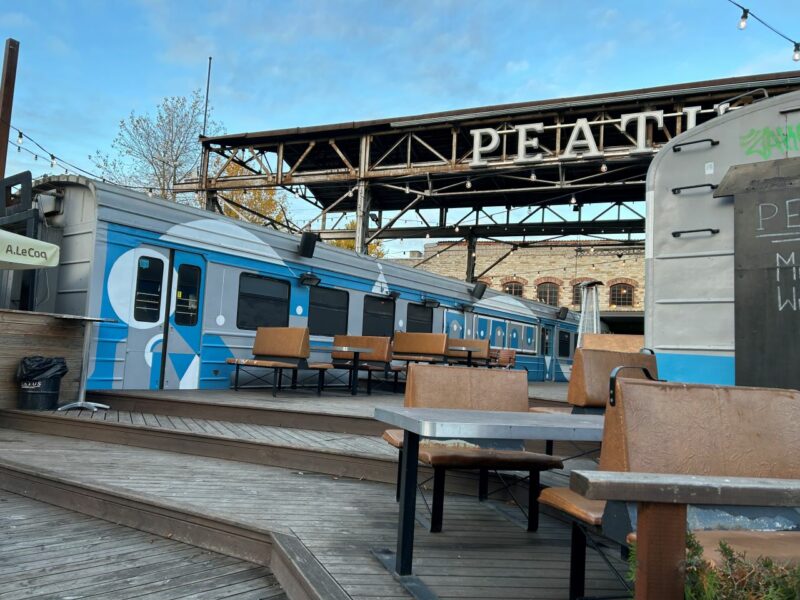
(375, 249)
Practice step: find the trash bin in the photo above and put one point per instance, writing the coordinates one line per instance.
(39, 380)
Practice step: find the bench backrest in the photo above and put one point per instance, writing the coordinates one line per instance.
(591, 369)
(381, 347)
(480, 348)
(612, 341)
(427, 344)
(469, 388)
(666, 427)
(285, 342)
(507, 357)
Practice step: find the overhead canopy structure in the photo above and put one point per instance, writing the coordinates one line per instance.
(530, 161)
(19, 252)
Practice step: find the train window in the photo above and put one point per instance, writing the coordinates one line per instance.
(263, 302)
(621, 294)
(327, 311)
(564, 345)
(378, 316)
(147, 301)
(548, 293)
(419, 319)
(187, 299)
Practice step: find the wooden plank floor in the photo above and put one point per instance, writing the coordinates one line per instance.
(480, 554)
(49, 552)
(346, 443)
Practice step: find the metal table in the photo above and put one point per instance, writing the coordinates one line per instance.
(466, 349)
(456, 423)
(357, 351)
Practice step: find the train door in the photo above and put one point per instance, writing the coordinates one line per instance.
(546, 350)
(180, 351)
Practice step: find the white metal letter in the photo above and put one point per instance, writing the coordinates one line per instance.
(478, 148)
(581, 127)
(691, 115)
(523, 143)
(641, 127)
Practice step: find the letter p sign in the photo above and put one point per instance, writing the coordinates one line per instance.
(478, 147)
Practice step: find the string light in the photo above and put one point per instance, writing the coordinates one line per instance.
(746, 13)
(743, 20)
(20, 138)
(533, 175)
(52, 161)
(573, 201)
(468, 184)
(456, 229)
(603, 168)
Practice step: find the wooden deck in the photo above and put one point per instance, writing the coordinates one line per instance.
(49, 552)
(482, 553)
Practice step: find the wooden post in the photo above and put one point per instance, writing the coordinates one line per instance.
(9, 77)
(660, 551)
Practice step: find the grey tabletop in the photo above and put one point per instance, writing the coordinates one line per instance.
(461, 348)
(342, 349)
(455, 423)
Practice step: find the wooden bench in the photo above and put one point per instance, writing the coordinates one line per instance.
(280, 349)
(480, 351)
(420, 347)
(674, 428)
(503, 358)
(379, 359)
(432, 386)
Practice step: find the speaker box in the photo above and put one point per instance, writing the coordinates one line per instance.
(562, 313)
(308, 242)
(478, 291)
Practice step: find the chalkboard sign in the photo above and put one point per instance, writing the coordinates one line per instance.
(767, 275)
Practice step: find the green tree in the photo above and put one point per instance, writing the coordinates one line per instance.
(375, 249)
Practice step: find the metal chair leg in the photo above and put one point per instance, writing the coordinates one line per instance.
(483, 484)
(577, 563)
(294, 379)
(533, 501)
(369, 382)
(548, 447)
(236, 379)
(437, 507)
(275, 377)
(320, 382)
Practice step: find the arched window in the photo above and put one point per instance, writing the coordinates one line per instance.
(515, 288)
(621, 294)
(576, 294)
(547, 293)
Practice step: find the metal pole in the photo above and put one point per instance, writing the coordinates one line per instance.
(208, 85)
(9, 78)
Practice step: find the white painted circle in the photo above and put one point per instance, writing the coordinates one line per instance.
(482, 333)
(469, 331)
(455, 326)
(299, 310)
(149, 348)
(400, 323)
(220, 320)
(513, 334)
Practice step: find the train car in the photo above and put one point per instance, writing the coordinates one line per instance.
(184, 290)
(690, 314)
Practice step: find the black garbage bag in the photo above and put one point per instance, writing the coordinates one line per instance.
(39, 368)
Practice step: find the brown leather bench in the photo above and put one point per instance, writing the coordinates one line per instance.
(587, 391)
(612, 341)
(420, 347)
(480, 351)
(378, 359)
(504, 358)
(432, 386)
(676, 428)
(280, 349)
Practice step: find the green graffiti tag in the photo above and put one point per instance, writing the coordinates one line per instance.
(768, 140)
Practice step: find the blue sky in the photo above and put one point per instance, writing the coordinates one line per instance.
(84, 64)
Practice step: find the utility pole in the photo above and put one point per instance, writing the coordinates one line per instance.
(7, 98)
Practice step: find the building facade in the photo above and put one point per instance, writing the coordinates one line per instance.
(551, 273)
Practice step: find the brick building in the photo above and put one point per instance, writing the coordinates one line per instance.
(551, 273)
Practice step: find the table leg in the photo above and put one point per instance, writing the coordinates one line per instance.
(660, 550)
(469, 358)
(354, 382)
(408, 504)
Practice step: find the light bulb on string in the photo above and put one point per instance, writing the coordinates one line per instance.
(456, 229)
(796, 55)
(408, 189)
(603, 168)
(468, 184)
(20, 138)
(743, 20)
(52, 161)
(533, 175)
(427, 236)
(573, 200)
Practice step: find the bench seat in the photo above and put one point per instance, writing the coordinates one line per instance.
(417, 358)
(551, 409)
(573, 504)
(485, 458)
(263, 363)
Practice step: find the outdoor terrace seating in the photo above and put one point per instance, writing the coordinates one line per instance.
(378, 360)
(431, 386)
(480, 352)
(681, 429)
(280, 349)
(420, 347)
(505, 358)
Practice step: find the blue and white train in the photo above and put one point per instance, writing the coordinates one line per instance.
(185, 289)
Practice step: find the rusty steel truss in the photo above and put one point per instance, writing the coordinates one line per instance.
(567, 167)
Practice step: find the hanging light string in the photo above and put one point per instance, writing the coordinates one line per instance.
(746, 13)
